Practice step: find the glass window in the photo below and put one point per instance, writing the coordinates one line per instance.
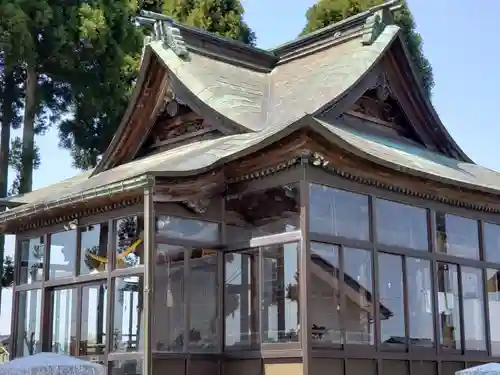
(421, 323)
(325, 294)
(93, 324)
(358, 291)
(187, 229)
(472, 291)
(129, 247)
(401, 225)
(491, 241)
(126, 367)
(261, 213)
(168, 299)
(203, 315)
(280, 305)
(64, 317)
(339, 213)
(390, 274)
(128, 319)
(62, 255)
(493, 285)
(241, 298)
(457, 236)
(94, 245)
(29, 323)
(32, 257)
(449, 306)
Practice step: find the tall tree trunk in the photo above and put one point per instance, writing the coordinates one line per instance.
(8, 114)
(28, 154)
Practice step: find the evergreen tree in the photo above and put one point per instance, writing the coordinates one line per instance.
(222, 17)
(108, 64)
(326, 12)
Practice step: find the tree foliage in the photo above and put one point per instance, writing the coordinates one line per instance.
(326, 12)
(108, 59)
(222, 17)
(8, 272)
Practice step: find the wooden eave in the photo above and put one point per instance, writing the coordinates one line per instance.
(406, 88)
(140, 107)
(398, 60)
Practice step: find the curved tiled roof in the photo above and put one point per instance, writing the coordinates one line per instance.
(259, 100)
(415, 160)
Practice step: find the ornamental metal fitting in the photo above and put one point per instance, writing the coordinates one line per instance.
(164, 29)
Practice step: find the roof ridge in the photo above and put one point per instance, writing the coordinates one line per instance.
(366, 20)
(151, 18)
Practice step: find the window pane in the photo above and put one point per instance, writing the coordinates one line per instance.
(392, 324)
(64, 321)
(32, 257)
(280, 307)
(358, 291)
(261, 213)
(493, 283)
(168, 299)
(241, 299)
(492, 242)
(126, 367)
(449, 306)
(187, 229)
(94, 245)
(401, 225)
(129, 247)
(325, 294)
(28, 331)
(203, 301)
(62, 256)
(128, 319)
(339, 213)
(457, 236)
(472, 290)
(418, 273)
(93, 328)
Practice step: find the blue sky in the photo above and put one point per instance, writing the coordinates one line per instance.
(460, 42)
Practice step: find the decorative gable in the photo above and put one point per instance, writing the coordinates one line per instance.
(379, 110)
(177, 124)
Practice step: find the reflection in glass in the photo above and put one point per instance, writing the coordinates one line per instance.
(203, 300)
(241, 298)
(187, 229)
(280, 297)
(29, 320)
(449, 306)
(129, 247)
(358, 290)
(418, 273)
(390, 274)
(493, 287)
(261, 213)
(325, 294)
(62, 255)
(168, 299)
(128, 314)
(32, 257)
(401, 225)
(473, 300)
(457, 236)
(94, 248)
(126, 367)
(339, 213)
(64, 315)
(93, 323)
(491, 240)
